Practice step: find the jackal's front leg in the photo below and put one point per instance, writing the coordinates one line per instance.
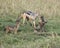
(23, 16)
(7, 30)
(15, 32)
(34, 24)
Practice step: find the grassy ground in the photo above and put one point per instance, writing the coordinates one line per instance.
(26, 38)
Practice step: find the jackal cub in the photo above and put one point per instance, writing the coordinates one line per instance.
(14, 28)
(42, 23)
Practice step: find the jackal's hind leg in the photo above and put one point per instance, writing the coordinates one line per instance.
(7, 30)
(15, 30)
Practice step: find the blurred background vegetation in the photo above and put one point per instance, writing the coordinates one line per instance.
(14, 7)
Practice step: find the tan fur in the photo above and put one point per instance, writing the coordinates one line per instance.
(14, 28)
(31, 18)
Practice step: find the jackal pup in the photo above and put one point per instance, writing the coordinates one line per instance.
(14, 28)
(42, 24)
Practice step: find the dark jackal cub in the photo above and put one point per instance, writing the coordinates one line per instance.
(42, 23)
(40, 27)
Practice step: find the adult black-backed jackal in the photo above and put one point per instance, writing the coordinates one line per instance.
(29, 15)
(14, 28)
